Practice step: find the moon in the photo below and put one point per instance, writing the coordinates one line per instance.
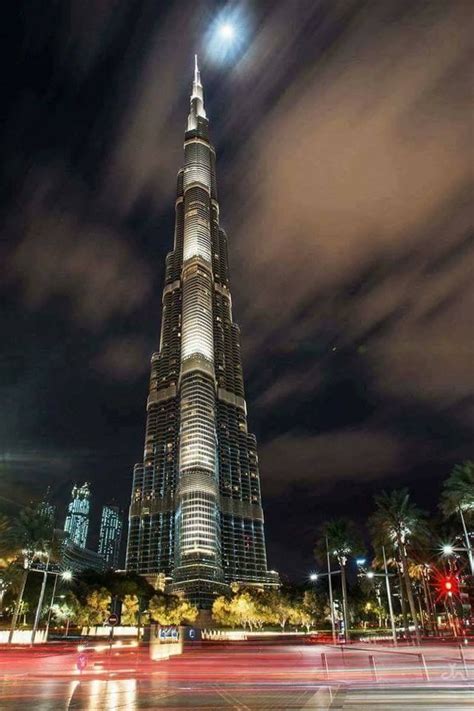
(227, 31)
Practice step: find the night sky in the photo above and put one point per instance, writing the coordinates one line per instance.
(344, 147)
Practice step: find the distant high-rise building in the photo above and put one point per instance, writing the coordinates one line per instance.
(46, 507)
(110, 535)
(196, 512)
(77, 518)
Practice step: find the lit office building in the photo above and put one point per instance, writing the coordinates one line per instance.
(77, 518)
(110, 535)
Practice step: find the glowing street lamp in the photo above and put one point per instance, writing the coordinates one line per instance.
(449, 549)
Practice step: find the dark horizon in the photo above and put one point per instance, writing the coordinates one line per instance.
(343, 156)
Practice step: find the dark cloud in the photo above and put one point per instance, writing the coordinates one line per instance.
(357, 454)
(68, 255)
(124, 358)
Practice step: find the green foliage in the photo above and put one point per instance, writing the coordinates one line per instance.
(171, 610)
(10, 578)
(241, 609)
(96, 610)
(130, 606)
(253, 608)
(458, 491)
(343, 539)
(397, 520)
(117, 584)
(29, 534)
(65, 611)
(315, 607)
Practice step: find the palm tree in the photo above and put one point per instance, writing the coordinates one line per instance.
(5, 526)
(341, 539)
(29, 536)
(458, 498)
(10, 578)
(397, 521)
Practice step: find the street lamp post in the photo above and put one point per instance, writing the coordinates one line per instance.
(65, 575)
(313, 577)
(468, 548)
(40, 600)
(27, 560)
(331, 602)
(449, 550)
(370, 574)
(389, 597)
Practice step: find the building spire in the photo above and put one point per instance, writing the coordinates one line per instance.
(197, 98)
(197, 79)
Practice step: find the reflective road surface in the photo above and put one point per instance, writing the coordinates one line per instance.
(241, 676)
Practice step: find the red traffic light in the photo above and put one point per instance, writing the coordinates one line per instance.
(449, 585)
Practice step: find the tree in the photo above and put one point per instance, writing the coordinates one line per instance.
(96, 610)
(29, 536)
(397, 521)
(243, 609)
(171, 610)
(185, 611)
(67, 611)
(10, 581)
(5, 526)
(130, 606)
(342, 539)
(300, 615)
(262, 609)
(280, 608)
(221, 612)
(458, 498)
(316, 605)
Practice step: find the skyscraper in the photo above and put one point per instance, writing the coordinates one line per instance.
(46, 507)
(77, 518)
(196, 512)
(110, 535)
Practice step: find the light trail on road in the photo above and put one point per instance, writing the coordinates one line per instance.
(234, 676)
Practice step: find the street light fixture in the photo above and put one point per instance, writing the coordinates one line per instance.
(447, 549)
(370, 575)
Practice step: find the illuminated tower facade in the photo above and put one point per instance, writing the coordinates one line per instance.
(110, 535)
(196, 512)
(77, 518)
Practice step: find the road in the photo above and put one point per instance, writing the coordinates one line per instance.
(243, 676)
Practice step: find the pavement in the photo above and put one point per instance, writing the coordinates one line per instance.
(244, 676)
